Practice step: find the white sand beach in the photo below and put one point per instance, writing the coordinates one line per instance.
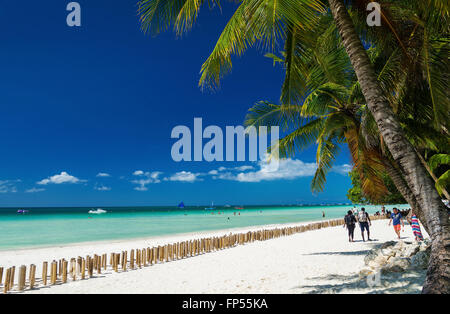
(320, 261)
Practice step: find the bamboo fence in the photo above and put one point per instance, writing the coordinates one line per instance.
(82, 268)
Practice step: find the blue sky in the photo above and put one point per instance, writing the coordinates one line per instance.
(104, 97)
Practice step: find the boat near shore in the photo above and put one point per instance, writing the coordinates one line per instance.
(97, 211)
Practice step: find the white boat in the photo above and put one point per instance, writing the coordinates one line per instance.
(97, 211)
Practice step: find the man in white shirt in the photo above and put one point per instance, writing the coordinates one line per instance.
(364, 222)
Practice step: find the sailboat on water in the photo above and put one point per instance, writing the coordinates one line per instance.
(181, 205)
(210, 208)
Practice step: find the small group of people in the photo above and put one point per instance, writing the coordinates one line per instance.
(363, 218)
(395, 218)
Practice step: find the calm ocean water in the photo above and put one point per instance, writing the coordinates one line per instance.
(57, 226)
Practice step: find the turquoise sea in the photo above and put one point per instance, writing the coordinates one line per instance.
(58, 226)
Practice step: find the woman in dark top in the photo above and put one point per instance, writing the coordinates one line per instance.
(349, 222)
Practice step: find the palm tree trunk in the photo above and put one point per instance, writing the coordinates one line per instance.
(406, 192)
(436, 216)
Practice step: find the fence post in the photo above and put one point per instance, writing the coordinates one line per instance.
(22, 276)
(53, 271)
(7, 280)
(32, 275)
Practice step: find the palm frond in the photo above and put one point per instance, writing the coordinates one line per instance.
(262, 21)
(157, 16)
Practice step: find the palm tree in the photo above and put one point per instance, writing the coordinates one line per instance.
(343, 104)
(438, 277)
(268, 22)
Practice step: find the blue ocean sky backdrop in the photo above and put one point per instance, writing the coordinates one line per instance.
(86, 113)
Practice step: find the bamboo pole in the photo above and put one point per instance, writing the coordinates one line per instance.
(149, 256)
(73, 268)
(90, 266)
(1, 275)
(114, 262)
(155, 255)
(83, 268)
(11, 281)
(99, 265)
(144, 257)
(44, 273)
(53, 271)
(64, 271)
(32, 277)
(22, 276)
(60, 265)
(7, 280)
(103, 262)
(117, 262)
(132, 259)
(138, 258)
(79, 265)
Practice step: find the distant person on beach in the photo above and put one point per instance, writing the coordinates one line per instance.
(323, 214)
(396, 220)
(383, 211)
(349, 222)
(414, 222)
(364, 222)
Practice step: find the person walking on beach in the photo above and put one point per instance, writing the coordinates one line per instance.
(396, 219)
(364, 221)
(349, 222)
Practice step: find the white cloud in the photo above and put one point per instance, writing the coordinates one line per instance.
(34, 190)
(342, 169)
(225, 176)
(150, 177)
(244, 168)
(184, 176)
(103, 175)
(102, 188)
(8, 186)
(276, 170)
(222, 169)
(63, 177)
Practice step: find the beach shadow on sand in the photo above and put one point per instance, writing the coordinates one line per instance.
(350, 253)
(39, 286)
(394, 283)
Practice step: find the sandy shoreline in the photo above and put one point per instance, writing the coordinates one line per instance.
(320, 261)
